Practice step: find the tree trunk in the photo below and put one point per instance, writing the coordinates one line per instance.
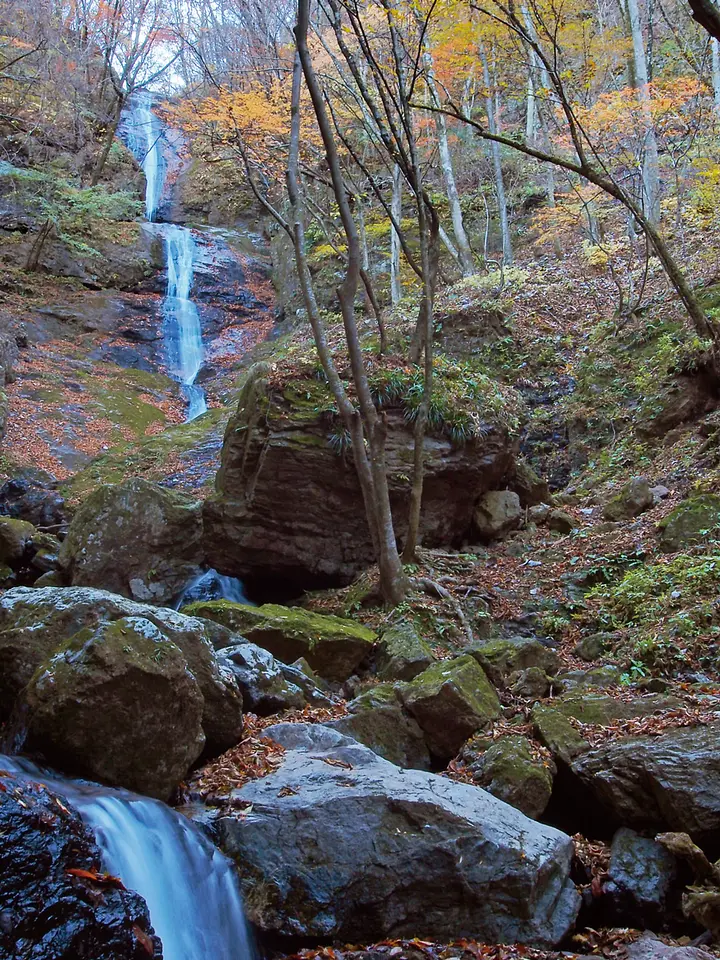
(497, 162)
(715, 44)
(109, 140)
(650, 163)
(396, 211)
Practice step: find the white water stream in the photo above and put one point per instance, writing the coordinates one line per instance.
(183, 332)
(190, 888)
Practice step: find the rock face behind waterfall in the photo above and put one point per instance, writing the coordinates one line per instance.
(343, 844)
(288, 505)
(37, 624)
(46, 912)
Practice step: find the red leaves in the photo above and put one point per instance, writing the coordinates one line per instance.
(144, 940)
(105, 879)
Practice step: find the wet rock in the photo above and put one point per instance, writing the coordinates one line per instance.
(669, 782)
(450, 701)
(502, 658)
(402, 653)
(633, 499)
(32, 497)
(344, 845)
(278, 442)
(648, 947)
(641, 878)
(136, 539)
(267, 685)
(377, 720)
(117, 704)
(497, 513)
(333, 646)
(693, 521)
(45, 912)
(34, 623)
(507, 769)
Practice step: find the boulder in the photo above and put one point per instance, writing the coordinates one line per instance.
(668, 782)
(648, 947)
(333, 646)
(342, 845)
(693, 521)
(267, 685)
(34, 623)
(631, 500)
(503, 658)
(376, 718)
(402, 653)
(593, 646)
(46, 912)
(555, 732)
(530, 684)
(117, 704)
(15, 539)
(641, 878)
(450, 700)
(31, 496)
(529, 486)
(561, 521)
(507, 769)
(280, 440)
(136, 539)
(497, 513)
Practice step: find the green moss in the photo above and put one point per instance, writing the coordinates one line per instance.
(557, 733)
(692, 521)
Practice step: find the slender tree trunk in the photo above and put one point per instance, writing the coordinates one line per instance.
(109, 140)
(497, 161)
(531, 110)
(396, 211)
(715, 46)
(650, 166)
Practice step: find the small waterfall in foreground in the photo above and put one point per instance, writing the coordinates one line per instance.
(189, 886)
(183, 333)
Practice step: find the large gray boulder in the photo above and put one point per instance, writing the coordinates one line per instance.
(135, 538)
(35, 623)
(497, 513)
(267, 685)
(641, 878)
(342, 844)
(117, 704)
(669, 782)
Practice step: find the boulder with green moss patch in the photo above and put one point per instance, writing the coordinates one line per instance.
(402, 653)
(34, 623)
(503, 658)
(693, 521)
(451, 701)
(118, 704)
(334, 647)
(15, 539)
(287, 502)
(377, 719)
(634, 498)
(555, 732)
(136, 539)
(507, 769)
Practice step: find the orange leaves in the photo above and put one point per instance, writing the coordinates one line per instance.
(105, 879)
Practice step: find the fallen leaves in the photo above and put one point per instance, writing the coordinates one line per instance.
(105, 879)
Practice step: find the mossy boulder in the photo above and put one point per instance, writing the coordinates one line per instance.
(604, 710)
(35, 623)
(136, 539)
(693, 521)
(377, 719)
(451, 701)
(507, 769)
(333, 646)
(402, 653)
(118, 704)
(555, 732)
(15, 539)
(634, 498)
(503, 658)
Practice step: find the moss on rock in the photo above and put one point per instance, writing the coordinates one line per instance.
(693, 521)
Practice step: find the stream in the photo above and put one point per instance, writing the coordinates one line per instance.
(190, 888)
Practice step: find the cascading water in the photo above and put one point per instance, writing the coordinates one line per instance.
(183, 333)
(142, 132)
(189, 886)
(212, 585)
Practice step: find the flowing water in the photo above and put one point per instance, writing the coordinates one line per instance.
(183, 332)
(189, 886)
(212, 585)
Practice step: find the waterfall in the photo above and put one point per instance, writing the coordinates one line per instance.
(189, 886)
(211, 585)
(183, 333)
(143, 132)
